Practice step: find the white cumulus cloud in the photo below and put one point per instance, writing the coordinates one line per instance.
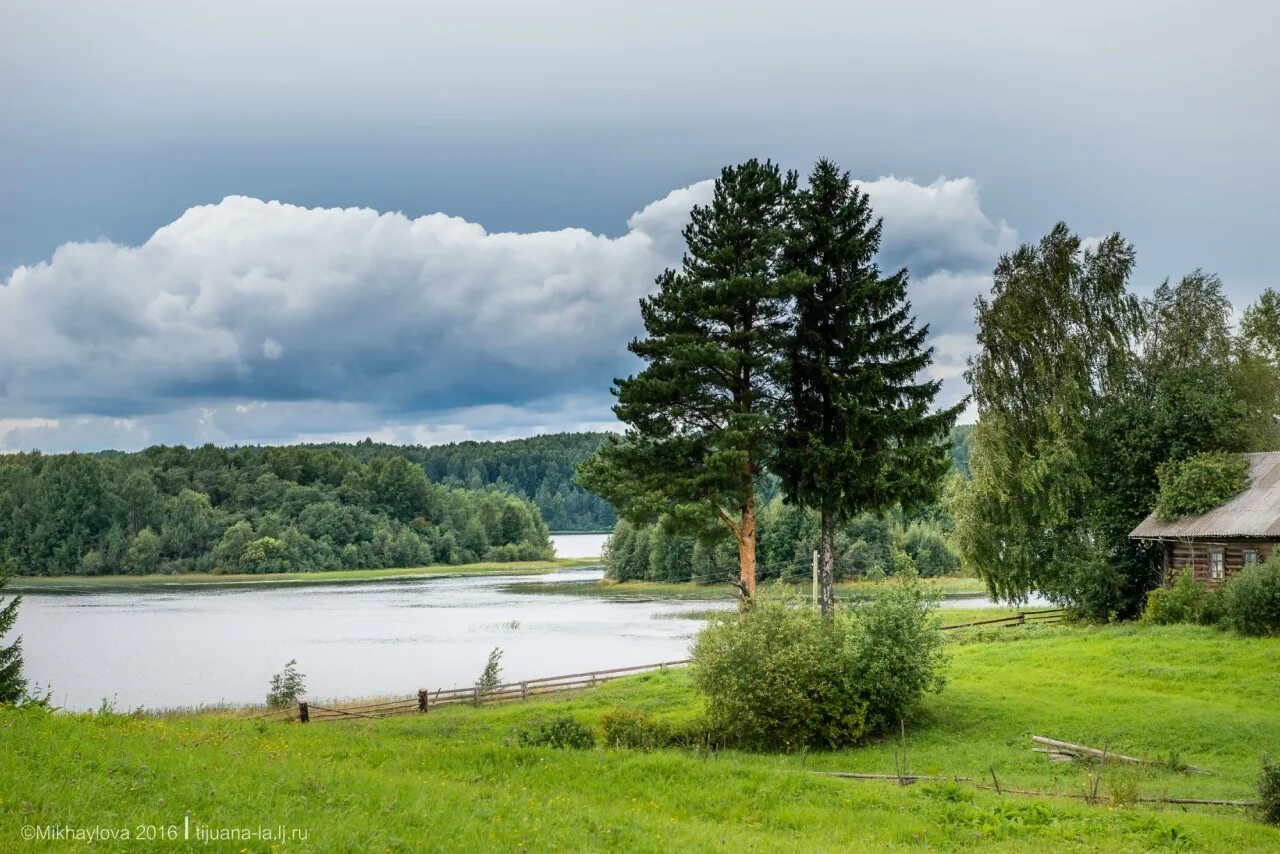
(257, 319)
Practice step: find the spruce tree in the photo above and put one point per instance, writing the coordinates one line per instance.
(12, 686)
(859, 432)
(701, 414)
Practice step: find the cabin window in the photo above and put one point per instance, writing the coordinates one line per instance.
(1250, 557)
(1215, 564)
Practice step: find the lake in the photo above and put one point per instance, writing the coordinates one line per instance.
(579, 545)
(191, 646)
(180, 647)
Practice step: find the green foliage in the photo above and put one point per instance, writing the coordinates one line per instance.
(1184, 601)
(1200, 483)
(251, 510)
(783, 677)
(857, 432)
(787, 536)
(143, 555)
(13, 688)
(1269, 791)
(929, 551)
(490, 677)
(631, 729)
(1083, 394)
(563, 731)
(701, 413)
(538, 469)
(1251, 600)
(1054, 338)
(287, 687)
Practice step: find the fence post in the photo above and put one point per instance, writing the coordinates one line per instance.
(422, 699)
(303, 717)
(815, 578)
(524, 690)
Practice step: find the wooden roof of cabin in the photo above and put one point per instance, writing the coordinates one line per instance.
(1253, 513)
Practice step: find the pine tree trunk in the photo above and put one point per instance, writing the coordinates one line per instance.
(747, 548)
(827, 565)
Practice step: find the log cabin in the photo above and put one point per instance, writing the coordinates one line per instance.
(1217, 544)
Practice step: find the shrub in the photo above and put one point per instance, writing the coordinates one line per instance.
(490, 677)
(1199, 483)
(1251, 600)
(287, 686)
(636, 730)
(629, 728)
(781, 676)
(1269, 791)
(563, 731)
(1184, 601)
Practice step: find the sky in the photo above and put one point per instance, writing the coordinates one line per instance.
(291, 221)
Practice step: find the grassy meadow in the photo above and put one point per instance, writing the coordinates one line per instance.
(453, 779)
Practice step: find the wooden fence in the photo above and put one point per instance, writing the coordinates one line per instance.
(1022, 618)
(426, 700)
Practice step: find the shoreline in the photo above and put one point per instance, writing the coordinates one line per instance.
(88, 583)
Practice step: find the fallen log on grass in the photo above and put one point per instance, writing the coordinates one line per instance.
(903, 778)
(1080, 750)
(1005, 790)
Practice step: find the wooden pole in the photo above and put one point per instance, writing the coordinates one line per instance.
(303, 716)
(815, 578)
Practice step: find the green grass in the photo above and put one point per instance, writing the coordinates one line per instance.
(451, 779)
(92, 582)
(686, 591)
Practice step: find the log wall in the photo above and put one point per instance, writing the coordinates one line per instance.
(1180, 554)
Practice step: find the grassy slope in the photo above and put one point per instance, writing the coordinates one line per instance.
(70, 582)
(449, 781)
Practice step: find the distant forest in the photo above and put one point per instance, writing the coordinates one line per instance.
(539, 469)
(867, 546)
(174, 509)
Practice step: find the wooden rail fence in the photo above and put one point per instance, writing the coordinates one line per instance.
(1022, 618)
(426, 700)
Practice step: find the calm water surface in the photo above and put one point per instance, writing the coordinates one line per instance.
(188, 647)
(192, 646)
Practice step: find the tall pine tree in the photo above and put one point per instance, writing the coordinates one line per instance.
(859, 432)
(701, 414)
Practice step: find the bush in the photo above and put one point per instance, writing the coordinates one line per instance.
(490, 677)
(287, 686)
(1184, 601)
(1251, 600)
(563, 731)
(1269, 791)
(1200, 483)
(781, 676)
(629, 728)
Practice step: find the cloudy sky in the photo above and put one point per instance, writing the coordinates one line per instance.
(278, 221)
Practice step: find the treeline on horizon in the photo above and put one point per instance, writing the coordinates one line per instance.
(538, 469)
(868, 546)
(248, 510)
